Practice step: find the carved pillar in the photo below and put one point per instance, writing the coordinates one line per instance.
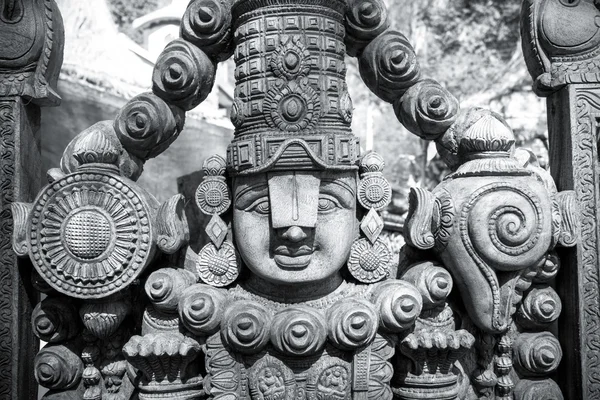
(31, 40)
(561, 42)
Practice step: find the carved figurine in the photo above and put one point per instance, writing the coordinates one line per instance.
(295, 297)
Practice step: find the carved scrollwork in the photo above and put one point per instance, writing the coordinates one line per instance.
(569, 228)
(351, 323)
(418, 227)
(534, 389)
(427, 109)
(147, 125)
(547, 268)
(165, 286)
(20, 213)
(207, 24)
(540, 307)
(171, 225)
(399, 304)
(365, 20)
(246, 327)
(389, 66)
(201, 309)
(537, 354)
(183, 75)
(298, 331)
(55, 320)
(57, 367)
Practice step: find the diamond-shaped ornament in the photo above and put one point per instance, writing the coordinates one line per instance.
(372, 225)
(216, 230)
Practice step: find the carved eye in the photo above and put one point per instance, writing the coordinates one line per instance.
(327, 204)
(260, 206)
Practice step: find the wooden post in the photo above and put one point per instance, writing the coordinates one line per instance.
(31, 42)
(561, 42)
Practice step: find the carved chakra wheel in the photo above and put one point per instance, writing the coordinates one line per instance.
(294, 297)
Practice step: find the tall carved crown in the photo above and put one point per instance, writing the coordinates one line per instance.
(291, 100)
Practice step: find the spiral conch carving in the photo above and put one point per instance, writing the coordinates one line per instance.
(537, 354)
(504, 224)
(365, 20)
(389, 66)
(427, 109)
(207, 24)
(55, 320)
(183, 75)
(201, 309)
(298, 331)
(164, 287)
(399, 304)
(246, 326)
(57, 367)
(535, 389)
(352, 323)
(147, 125)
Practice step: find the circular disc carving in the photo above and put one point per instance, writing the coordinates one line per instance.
(90, 235)
(246, 326)
(212, 196)
(374, 191)
(218, 267)
(369, 263)
(298, 331)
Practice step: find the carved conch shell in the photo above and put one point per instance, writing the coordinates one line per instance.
(104, 318)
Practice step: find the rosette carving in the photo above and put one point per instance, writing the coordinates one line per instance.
(57, 367)
(103, 319)
(389, 66)
(399, 304)
(201, 308)
(147, 125)
(218, 267)
(292, 106)
(165, 286)
(536, 353)
(432, 280)
(540, 307)
(291, 59)
(365, 20)
(298, 331)
(55, 320)
(162, 357)
(207, 24)
(352, 323)
(183, 75)
(427, 109)
(246, 326)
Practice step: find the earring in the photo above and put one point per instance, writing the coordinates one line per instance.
(218, 263)
(370, 257)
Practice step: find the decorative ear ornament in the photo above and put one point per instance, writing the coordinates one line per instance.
(370, 257)
(217, 263)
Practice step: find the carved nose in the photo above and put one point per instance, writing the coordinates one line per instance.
(294, 234)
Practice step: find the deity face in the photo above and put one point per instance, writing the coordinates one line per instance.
(295, 227)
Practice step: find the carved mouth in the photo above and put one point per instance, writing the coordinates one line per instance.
(287, 262)
(303, 250)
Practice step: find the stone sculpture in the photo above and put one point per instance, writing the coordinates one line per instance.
(295, 297)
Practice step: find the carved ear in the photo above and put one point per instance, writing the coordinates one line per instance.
(20, 212)
(172, 225)
(569, 227)
(418, 226)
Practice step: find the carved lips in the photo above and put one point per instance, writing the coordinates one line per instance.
(293, 258)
